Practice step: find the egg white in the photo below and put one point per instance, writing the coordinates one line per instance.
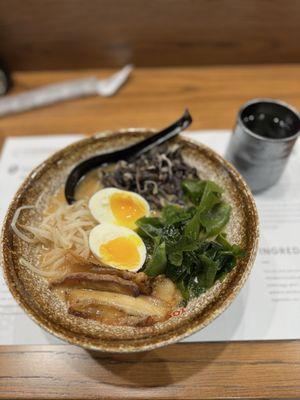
(104, 233)
(99, 204)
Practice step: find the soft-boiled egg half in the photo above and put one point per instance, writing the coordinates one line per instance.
(118, 207)
(117, 246)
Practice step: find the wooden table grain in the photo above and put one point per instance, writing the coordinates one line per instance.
(153, 98)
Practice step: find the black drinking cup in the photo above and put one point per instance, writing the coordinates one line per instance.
(262, 141)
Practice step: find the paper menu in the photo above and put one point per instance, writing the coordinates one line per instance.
(268, 307)
(19, 156)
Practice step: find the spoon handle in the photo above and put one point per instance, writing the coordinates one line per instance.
(158, 138)
(128, 153)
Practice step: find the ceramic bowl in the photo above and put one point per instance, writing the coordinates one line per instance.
(32, 293)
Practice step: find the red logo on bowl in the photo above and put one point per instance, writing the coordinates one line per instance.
(178, 312)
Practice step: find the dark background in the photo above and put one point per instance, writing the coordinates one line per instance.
(76, 34)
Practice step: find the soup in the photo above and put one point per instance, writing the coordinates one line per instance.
(140, 240)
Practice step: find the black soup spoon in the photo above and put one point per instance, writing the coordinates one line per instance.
(128, 153)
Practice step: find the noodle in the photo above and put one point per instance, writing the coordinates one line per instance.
(27, 264)
(63, 230)
(14, 224)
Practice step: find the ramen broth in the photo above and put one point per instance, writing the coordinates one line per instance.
(88, 185)
(69, 260)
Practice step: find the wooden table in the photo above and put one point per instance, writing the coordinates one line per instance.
(153, 98)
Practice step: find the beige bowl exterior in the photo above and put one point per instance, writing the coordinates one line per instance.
(32, 293)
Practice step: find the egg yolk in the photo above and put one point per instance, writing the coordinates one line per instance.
(121, 252)
(126, 209)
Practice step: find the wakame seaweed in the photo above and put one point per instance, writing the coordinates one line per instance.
(187, 243)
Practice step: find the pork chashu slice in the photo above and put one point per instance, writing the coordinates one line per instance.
(97, 281)
(142, 306)
(95, 276)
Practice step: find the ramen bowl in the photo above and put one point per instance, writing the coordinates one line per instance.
(31, 290)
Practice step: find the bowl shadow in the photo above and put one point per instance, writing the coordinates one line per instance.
(168, 365)
(157, 368)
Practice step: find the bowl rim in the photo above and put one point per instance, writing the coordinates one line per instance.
(193, 325)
